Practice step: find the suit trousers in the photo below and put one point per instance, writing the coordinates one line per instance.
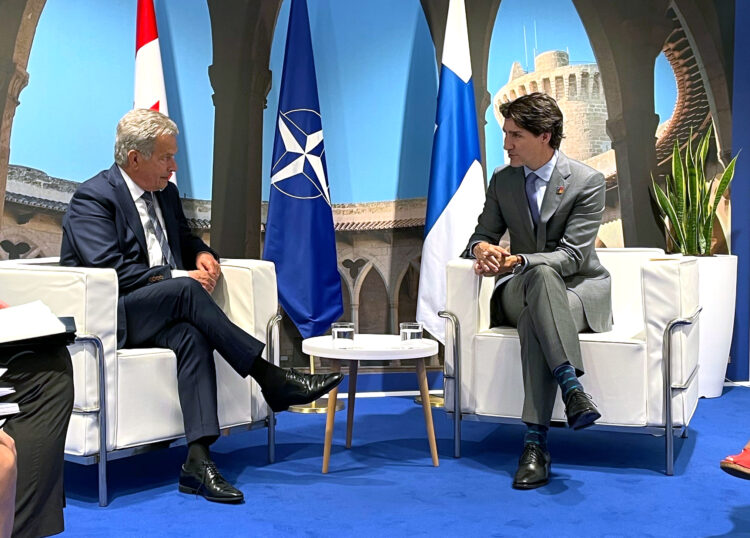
(42, 375)
(180, 315)
(548, 317)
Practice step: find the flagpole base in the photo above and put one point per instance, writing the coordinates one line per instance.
(318, 406)
(435, 401)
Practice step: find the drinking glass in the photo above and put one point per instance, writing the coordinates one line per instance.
(410, 331)
(342, 333)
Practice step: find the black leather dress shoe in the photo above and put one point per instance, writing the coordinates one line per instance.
(203, 478)
(580, 410)
(533, 468)
(300, 389)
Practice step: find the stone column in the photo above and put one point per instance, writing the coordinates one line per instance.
(18, 20)
(626, 38)
(480, 20)
(242, 32)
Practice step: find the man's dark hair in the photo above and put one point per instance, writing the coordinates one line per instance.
(537, 113)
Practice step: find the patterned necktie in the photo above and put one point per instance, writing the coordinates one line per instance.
(531, 196)
(158, 231)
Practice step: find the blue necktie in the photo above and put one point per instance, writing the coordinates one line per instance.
(158, 231)
(531, 196)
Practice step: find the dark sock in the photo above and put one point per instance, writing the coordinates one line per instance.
(566, 378)
(268, 376)
(536, 434)
(198, 449)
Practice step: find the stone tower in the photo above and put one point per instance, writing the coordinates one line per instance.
(578, 92)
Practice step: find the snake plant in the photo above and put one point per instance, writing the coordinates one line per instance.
(689, 202)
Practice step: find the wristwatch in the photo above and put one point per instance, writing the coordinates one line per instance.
(518, 267)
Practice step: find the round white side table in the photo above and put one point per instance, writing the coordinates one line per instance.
(372, 347)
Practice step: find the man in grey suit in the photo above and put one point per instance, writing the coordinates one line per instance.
(551, 284)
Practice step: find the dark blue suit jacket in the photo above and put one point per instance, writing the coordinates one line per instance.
(102, 228)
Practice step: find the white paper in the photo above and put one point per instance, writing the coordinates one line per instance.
(8, 409)
(31, 320)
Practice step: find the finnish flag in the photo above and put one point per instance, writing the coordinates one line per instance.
(456, 191)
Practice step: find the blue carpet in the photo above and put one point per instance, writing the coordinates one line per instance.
(603, 483)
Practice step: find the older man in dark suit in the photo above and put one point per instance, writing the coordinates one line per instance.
(551, 284)
(130, 218)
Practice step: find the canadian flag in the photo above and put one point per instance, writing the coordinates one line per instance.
(149, 77)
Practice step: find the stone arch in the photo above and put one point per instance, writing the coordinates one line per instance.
(406, 289)
(522, 90)
(701, 26)
(18, 22)
(513, 95)
(626, 39)
(546, 86)
(372, 289)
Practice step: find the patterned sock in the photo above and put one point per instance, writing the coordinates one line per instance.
(536, 434)
(566, 378)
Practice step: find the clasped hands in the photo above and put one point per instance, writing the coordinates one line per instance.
(493, 260)
(207, 271)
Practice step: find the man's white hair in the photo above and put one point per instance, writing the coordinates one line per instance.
(138, 130)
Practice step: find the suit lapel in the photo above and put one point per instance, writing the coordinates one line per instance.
(558, 182)
(127, 204)
(172, 226)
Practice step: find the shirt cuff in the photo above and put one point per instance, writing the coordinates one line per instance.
(471, 250)
(176, 273)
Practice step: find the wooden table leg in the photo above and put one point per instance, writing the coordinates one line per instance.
(332, 397)
(425, 393)
(353, 367)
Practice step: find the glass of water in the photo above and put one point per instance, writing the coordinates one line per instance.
(342, 333)
(410, 331)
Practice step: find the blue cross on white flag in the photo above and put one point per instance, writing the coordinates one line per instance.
(300, 237)
(456, 192)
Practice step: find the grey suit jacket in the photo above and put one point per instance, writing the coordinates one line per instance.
(570, 216)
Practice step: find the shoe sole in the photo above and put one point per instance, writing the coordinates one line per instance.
(735, 470)
(584, 420)
(193, 491)
(530, 486)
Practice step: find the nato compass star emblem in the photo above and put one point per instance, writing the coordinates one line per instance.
(299, 168)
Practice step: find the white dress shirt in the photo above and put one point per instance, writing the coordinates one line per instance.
(543, 174)
(155, 255)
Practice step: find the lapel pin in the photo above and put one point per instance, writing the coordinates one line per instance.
(560, 189)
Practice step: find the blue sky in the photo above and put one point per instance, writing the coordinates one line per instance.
(376, 72)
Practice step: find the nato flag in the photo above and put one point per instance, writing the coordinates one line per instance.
(299, 230)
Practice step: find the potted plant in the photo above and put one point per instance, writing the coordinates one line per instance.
(688, 205)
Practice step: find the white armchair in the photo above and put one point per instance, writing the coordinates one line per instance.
(138, 387)
(641, 374)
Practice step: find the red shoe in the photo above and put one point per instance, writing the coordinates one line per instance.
(738, 465)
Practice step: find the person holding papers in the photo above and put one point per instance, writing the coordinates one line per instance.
(552, 285)
(129, 218)
(41, 374)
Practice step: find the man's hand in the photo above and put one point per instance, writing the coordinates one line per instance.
(490, 259)
(206, 262)
(3, 305)
(204, 277)
(493, 260)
